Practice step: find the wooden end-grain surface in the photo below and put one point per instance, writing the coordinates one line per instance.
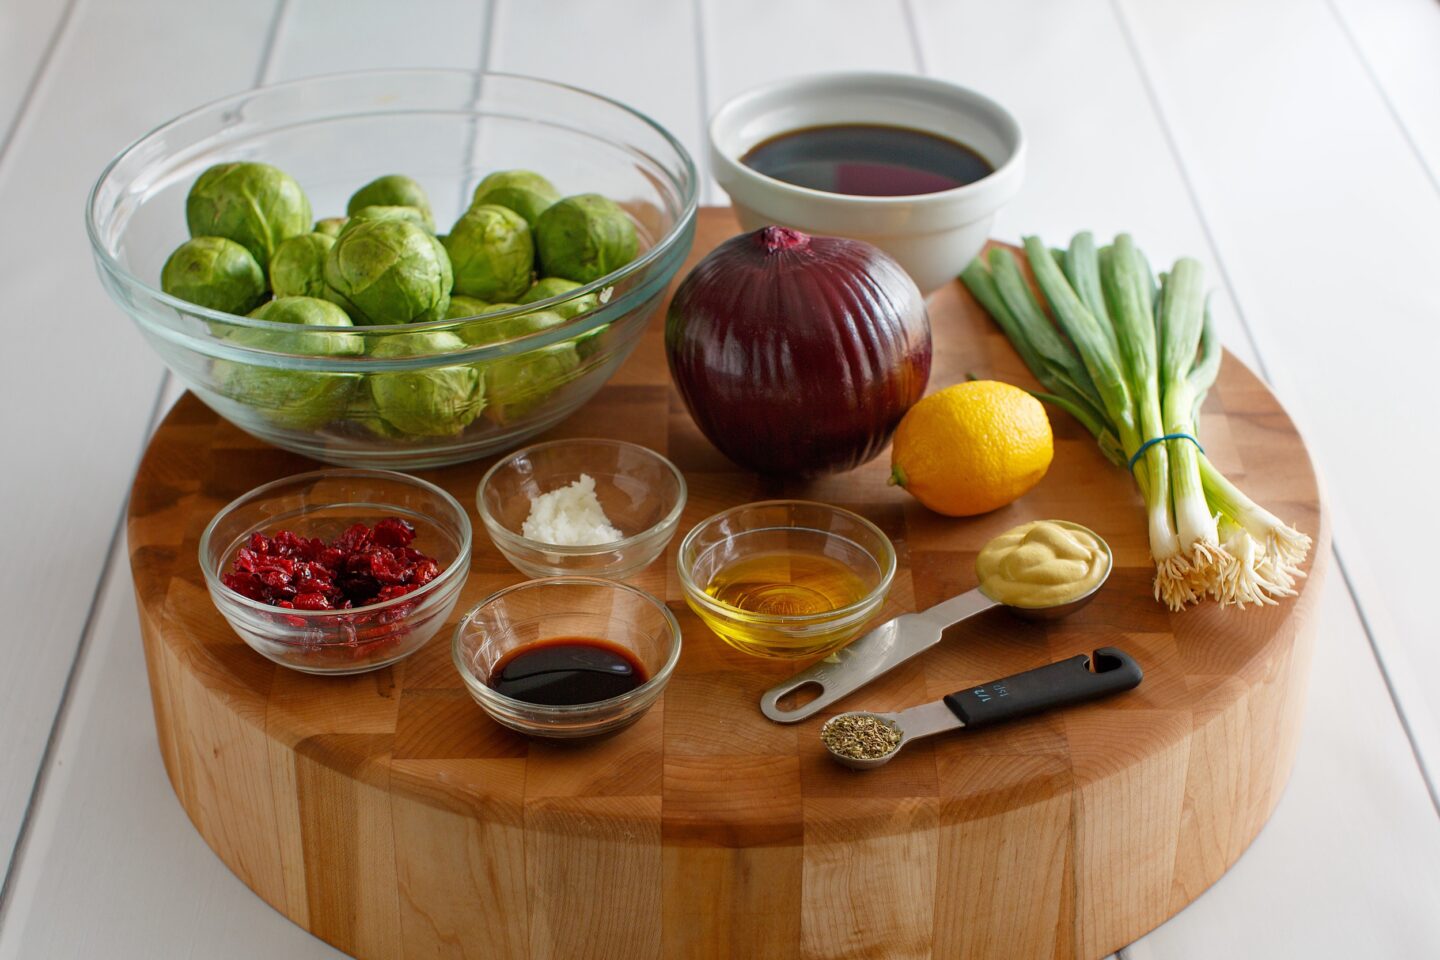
(388, 815)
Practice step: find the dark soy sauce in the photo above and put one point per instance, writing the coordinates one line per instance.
(564, 671)
(867, 160)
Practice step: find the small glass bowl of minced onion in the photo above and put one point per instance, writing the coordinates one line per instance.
(641, 493)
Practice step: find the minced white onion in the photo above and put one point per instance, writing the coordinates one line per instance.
(570, 516)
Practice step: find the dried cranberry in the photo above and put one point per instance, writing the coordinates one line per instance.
(424, 571)
(287, 543)
(357, 537)
(360, 567)
(246, 584)
(311, 601)
(276, 582)
(359, 589)
(386, 568)
(394, 532)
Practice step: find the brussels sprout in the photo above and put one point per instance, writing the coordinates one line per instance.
(583, 238)
(214, 272)
(298, 267)
(433, 402)
(588, 342)
(394, 190)
(297, 399)
(472, 310)
(312, 312)
(504, 328)
(330, 226)
(462, 306)
(253, 204)
(528, 194)
(411, 214)
(485, 330)
(559, 286)
(491, 252)
(388, 271)
(514, 386)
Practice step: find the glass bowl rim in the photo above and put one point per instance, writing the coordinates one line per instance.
(689, 190)
(499, 531)
(458, 567)
(864, 605)
(482, 691)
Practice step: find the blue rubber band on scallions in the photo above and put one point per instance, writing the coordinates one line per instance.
(1154, 440)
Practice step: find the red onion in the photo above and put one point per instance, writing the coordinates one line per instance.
(798, 354)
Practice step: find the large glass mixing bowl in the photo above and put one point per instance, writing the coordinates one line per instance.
(447, 129)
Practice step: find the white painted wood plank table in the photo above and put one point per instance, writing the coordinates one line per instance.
(1294, 145)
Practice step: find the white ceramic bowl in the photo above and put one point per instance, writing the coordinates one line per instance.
(933, 235)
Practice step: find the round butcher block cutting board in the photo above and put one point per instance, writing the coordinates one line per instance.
(389, 816)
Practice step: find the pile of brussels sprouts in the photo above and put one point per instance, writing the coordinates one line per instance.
(254, 250)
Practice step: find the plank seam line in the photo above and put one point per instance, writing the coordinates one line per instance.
(267, 53)
(487, 40)
(27, 100)
(1425, 773)
(1390, 107)
(912, 26)
(702, 90)
(482, 64)
(42, 774)
(87, 631)
(1152, 94)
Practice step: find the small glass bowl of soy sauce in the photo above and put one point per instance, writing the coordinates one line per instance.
(567, 657)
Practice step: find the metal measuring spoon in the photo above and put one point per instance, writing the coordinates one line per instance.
(1058, 684)
(895, 641)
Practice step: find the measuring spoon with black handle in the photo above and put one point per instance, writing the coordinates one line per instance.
(1059, 684)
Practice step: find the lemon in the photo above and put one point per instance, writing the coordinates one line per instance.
(972, 448)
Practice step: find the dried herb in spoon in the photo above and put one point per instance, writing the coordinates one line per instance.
(860, 736)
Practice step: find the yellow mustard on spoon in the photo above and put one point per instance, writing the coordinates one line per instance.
(1043, 564)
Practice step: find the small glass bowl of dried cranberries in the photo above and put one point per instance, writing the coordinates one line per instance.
(338, 571)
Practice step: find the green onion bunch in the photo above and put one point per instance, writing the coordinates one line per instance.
(1132, 358)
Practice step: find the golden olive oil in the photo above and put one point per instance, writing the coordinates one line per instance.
(758, 587)
(787, 584)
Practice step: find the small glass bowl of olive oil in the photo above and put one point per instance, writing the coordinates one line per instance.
(786, 578)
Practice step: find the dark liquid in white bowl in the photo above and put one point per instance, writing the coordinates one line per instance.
(868, 160)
